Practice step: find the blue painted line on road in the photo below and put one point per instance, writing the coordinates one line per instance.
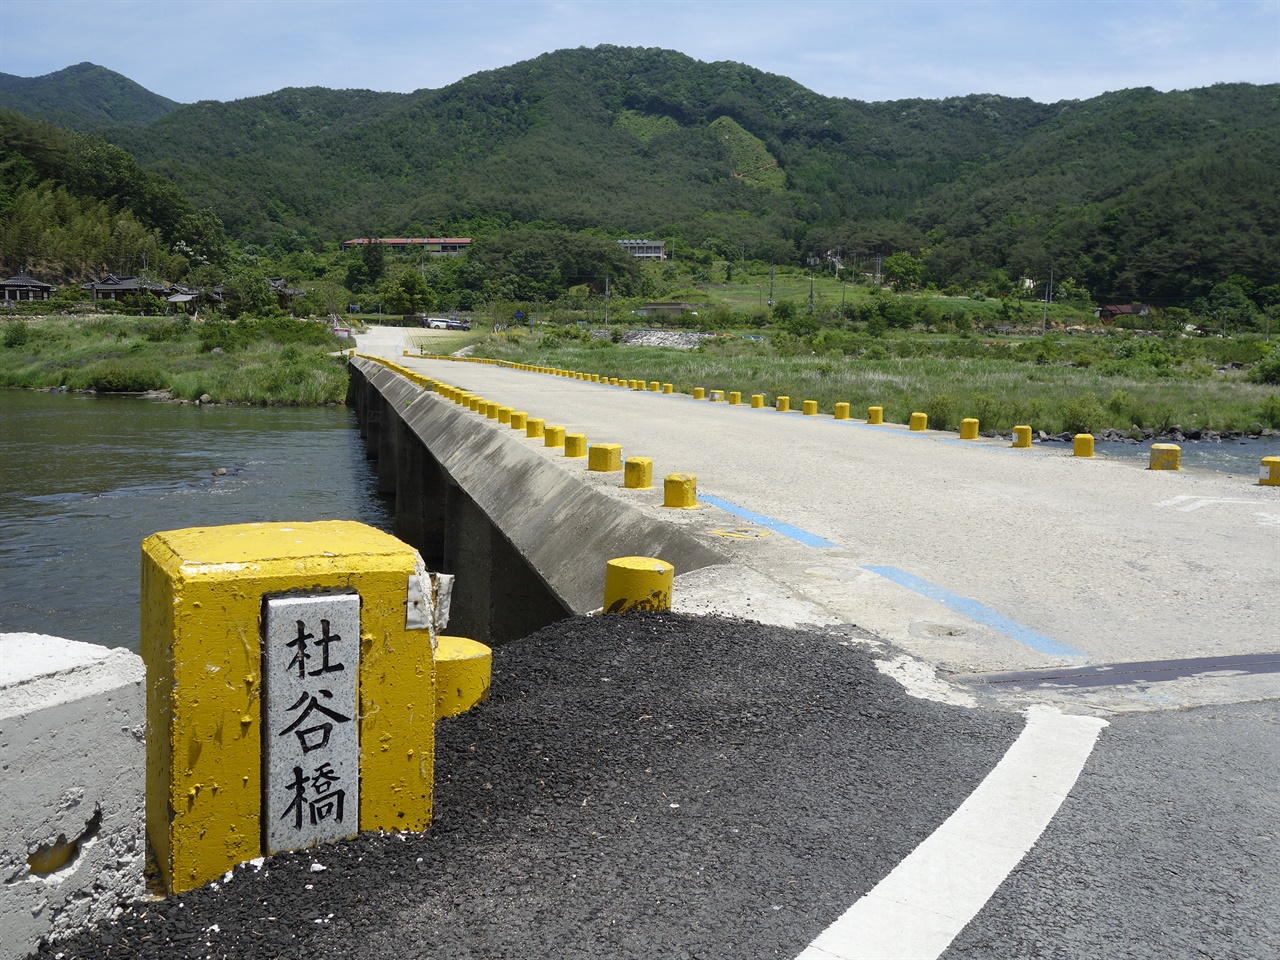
(976, 611)
(786, 529)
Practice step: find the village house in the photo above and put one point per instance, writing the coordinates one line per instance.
(112, 287)
(1111, 312)
(436, 246)
(24, 287)
(645, 249)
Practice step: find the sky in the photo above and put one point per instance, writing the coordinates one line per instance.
(1048, 50)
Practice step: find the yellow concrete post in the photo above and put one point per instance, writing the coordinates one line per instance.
(1082, 445)
(782, 404)
(519, 420)
(757, 401)
(209, 598)
(575, 445)
(637, 583)
(474, 402)
(655, 386)
(919, 421)
(1269, 472)
(875, 415)
(463, 671)
(504, 415)
(534, 428)
(491, 411)
(969, 429)
(699, 393)
(604, 457)
(668, 388)
(553, 436)
(735, 398)
(810, 408)
(1165, 456)
(680, 490)
(842, 411)
(1022, 436)
(638, 474)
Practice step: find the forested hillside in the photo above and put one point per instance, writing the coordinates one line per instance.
(1131, 195)
(83, 97)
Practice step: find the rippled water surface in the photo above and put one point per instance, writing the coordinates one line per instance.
(83, 479)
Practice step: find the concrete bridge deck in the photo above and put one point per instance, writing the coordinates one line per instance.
(971, 556)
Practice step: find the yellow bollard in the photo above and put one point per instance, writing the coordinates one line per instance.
(668, 388)
(699, 393)
(782, 404)
(553, 436)
(492, 411)
(1269, 472)
(735, 398)
(919, 421)
(968, 429)
(680, 490)
(504, 415)
(226, 614)
(575, 445)
(1022, 436)
(474, 403)
(1165, 456)
(519, 420)
(534, 428)
(655, 386)
(638, 474)
(604, 457)
(757, 401)
(463, 669)
(842, 411)
(810, 408)
(1082, 445)
(637, 583)
(875, 415)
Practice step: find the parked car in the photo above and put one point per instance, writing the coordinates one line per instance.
(458, 325)
(437, 323)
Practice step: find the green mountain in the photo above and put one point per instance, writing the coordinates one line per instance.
(1134, 194)
(83, 97)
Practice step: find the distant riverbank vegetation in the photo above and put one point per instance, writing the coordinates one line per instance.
(270, 361)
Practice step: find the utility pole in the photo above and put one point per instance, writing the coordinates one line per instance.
(606, 300)
(1048, 293)
(771, 286)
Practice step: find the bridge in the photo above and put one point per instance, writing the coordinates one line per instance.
(1091, 583)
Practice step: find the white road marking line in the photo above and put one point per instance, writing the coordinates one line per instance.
(917, 910)
(1186, 503)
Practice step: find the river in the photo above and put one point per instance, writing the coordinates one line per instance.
(85, 478)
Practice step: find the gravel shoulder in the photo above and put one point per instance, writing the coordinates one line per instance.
(636, 786)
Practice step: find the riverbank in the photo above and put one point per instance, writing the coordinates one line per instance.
(262, 362)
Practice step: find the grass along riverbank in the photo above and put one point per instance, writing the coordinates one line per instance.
(277, 361)
(1050, 394)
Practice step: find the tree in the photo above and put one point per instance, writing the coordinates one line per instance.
(902, 271)
(246, 292)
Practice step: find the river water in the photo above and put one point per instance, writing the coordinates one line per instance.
(85, 478)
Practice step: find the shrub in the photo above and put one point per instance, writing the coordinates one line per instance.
(1083, 414)
(1271, 410)
(16, 334)
(113, 376)
(1266, 371)
(941, 408)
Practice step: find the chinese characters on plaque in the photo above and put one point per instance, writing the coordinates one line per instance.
(310, 741)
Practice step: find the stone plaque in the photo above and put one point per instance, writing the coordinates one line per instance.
(310, 729)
